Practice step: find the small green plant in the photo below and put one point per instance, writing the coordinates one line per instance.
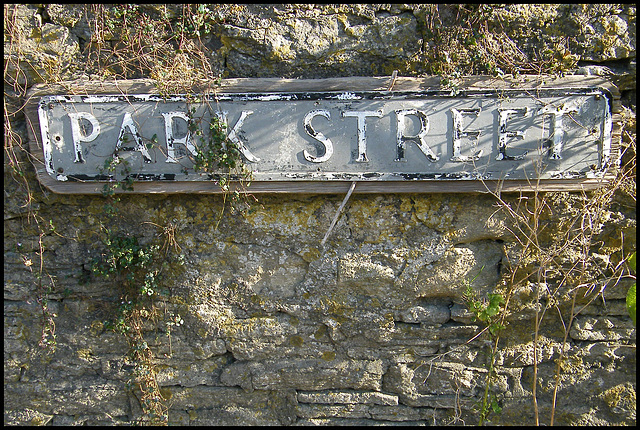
(109, 168)
(133, 268)
(486, 311)
(124, 256)
(490, 312)
(218, 152)
(198, 22)
(220, 158)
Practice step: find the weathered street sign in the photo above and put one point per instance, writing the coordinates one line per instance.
(320, 135)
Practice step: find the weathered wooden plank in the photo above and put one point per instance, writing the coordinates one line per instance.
(240, 85)
(339, 187)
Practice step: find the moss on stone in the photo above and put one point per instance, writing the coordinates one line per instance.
(296, 341)
(320, 332)
(621, 398)
(328, 356)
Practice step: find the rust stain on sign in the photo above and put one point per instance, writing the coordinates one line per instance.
(307, 140)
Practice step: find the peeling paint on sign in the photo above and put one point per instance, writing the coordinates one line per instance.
(324, 136)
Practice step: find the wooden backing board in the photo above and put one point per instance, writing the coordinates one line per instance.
(381, 84)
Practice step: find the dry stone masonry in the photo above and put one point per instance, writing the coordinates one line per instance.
(270, 327)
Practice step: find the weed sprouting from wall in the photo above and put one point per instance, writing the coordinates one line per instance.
(135, 271)
(490, 312)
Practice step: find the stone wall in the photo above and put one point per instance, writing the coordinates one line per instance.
(270, 327)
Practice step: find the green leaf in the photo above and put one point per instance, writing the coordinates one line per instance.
(495, 300)
(631, 301)
(632, 261)
(495, 406)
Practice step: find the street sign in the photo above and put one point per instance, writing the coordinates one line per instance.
(293, 137)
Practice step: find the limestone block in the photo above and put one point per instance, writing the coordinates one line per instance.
(334, 41)
(608, 355)
(447, 379)
(240, 374)
(376, 222)
(612, 39)
(188, 347)
(440, 401)
(603, 32)
(428, 314)
(602, 328)
(86, 395)
(305, 374)
(178, 418)
(618, 290)
(364, 275)
(203, 396)
(65, 14)
(266, 271)
(347, 397)
(399, 380)
(436, 379)
(470, 354)
(461, 314)
(231, 416)
(475, 263)
(425, 335)
(375, 412)
(114, 368)
(621, 399)
(476, 218)
(256, 338)
(300, 341)
(98, 419)
(40, 52)
(268, 407)
(522, 354)
(319, 374)
(592, 383)
(360, 326)
(189, 373)
(18, 284)
(26, 416)
(392, 353)
(610, 308)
